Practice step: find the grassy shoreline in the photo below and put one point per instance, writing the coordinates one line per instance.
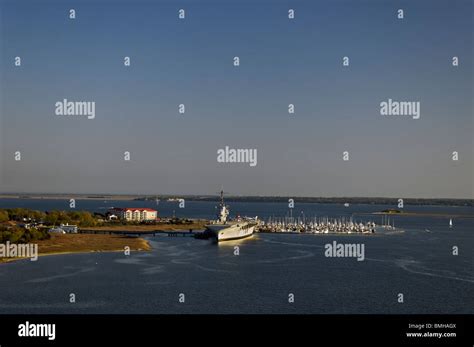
(86, 243)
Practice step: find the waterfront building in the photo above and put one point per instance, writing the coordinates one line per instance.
(134, 214)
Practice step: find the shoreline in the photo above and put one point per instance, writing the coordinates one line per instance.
(66, 197)
(77, 243)
(447, 202)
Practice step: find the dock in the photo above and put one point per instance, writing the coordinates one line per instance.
(169, 233)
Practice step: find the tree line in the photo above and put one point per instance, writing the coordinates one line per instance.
(49, 218)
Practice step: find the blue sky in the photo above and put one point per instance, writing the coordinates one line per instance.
(190, 61)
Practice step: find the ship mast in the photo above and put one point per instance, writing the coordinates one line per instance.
(223, 211)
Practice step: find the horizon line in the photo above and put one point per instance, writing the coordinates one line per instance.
(230, 195)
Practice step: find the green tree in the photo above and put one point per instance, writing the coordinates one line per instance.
(4, 216)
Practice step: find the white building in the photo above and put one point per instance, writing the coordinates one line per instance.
(135, 214)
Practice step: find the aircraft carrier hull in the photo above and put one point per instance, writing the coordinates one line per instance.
(227, 232)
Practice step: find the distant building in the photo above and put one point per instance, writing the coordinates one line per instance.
(134, 214)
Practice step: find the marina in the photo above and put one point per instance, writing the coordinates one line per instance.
(326, 225)
(318, 225)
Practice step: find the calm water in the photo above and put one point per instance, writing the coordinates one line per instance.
(214, 280)
(200, 209)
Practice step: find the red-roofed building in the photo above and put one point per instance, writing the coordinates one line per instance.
(134, 213)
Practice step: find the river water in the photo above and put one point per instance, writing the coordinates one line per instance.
(269, 269)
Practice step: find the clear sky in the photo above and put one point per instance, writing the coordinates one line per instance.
(283, 61)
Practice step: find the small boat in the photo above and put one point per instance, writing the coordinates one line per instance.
(450, 223)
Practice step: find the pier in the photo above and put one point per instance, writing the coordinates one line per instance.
(169, 233)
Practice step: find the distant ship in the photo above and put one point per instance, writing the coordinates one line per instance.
(224, 230)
